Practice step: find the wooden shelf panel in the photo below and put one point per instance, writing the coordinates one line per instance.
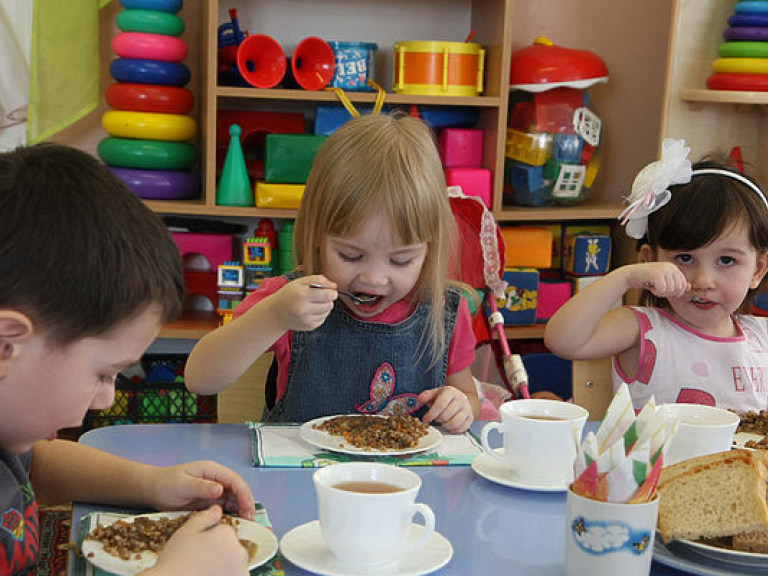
(596, 211)
(191, 326)
(723, 96)
(534, 331)
(367, 97)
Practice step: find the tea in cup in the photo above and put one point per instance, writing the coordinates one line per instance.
(700, 430)
(366, 511)
(541, 438)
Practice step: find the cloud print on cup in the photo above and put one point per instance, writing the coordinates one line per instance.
(608, 537)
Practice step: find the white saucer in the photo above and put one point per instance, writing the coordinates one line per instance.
(493, 470)
(304, 546)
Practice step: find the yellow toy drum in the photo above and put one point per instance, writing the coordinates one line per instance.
(438, 68)
(149, 125)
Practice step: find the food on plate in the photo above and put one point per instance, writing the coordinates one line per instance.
(376, 432)
(752, 541)
(753, 422)
(126, 539)
(712, 496)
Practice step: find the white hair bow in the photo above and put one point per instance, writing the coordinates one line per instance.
(650, 190)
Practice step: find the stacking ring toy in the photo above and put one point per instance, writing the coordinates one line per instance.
(751, 7)
(152, 154)
(740, 82)
(757, 33)
(145, 71)
(149, 98)
(162, 5)
(741, 65)
(152, 21)
(149, 126)
(149, 46)
(748, 20)
(744, 49)
(159, 184)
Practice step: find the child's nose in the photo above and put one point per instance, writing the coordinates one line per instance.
(702, 278)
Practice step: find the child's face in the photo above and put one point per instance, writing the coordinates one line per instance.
(45, 388)
(373, 261)
(720, 275)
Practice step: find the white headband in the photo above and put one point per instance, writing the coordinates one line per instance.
(650, 190)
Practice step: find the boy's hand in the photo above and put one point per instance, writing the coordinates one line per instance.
(299, 307)
(450, 407)
(198, 485)
(202, 546)
(663, 279)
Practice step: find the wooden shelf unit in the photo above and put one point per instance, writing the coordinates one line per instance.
(448, 20)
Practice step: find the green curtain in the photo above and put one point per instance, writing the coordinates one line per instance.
(64, 65)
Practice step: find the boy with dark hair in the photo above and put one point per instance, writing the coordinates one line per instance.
(88, 275)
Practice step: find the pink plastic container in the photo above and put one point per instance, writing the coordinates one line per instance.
(473, 182)
(461, 147)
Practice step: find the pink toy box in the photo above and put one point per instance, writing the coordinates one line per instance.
(552, 295)
(461, 147)
(473, 182)
(216, 248)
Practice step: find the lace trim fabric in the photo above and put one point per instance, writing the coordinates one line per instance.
(488, 244)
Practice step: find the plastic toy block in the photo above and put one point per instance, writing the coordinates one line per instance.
(527, 246)
(522, 196)
(521, 296)
(257, 252)
(592, 169)
(567, 148)
(554, 109)
(278, 195)
(461, 147)
(533, 149)
(216, 248)
(230, 275)
(255, 125)
(569, 183)
(587, 152)
(526, 178)
(289, 157)
(588, 255)
(473, 182)
(557, 244)
(552, 295)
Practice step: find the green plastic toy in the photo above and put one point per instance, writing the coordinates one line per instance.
(234, 186)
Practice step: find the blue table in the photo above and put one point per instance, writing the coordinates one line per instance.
(493, 529)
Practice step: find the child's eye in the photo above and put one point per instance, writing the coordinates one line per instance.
(349, 257)
(401, 263)
(727, 260)
(684, 258)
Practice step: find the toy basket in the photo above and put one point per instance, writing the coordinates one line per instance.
(161, 397)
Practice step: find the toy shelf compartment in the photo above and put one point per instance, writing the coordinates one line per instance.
(161, 397)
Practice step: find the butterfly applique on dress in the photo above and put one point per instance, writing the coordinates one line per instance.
(382, 401)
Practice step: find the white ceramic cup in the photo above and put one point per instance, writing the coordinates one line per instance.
(700, 430)
(541, 438)
(609, 537)
(368, 528)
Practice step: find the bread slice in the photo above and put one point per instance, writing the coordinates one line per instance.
(714, 495)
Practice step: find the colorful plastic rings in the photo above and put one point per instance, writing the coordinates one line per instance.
(744, 49)
(162, 5)
(149, 126)
(758, 33)
(149, 46)
(159, 184)
(152, 154)
(147, 71)
(150, 98)
(751, 7)
(739, 82)
(741, 65)
(748, 20)
(151, 21)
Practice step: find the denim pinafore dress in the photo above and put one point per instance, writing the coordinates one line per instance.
(348, 366)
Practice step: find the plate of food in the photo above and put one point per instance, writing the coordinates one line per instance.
(130, 545)
(736, 550)
(371, 435)
(752, 431)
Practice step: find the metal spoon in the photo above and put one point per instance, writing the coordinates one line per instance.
(354, 297)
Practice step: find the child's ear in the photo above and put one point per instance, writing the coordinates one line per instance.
(760, 270)
(647, 254)
(15, 328)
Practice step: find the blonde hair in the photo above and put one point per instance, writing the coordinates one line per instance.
(383, 162)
